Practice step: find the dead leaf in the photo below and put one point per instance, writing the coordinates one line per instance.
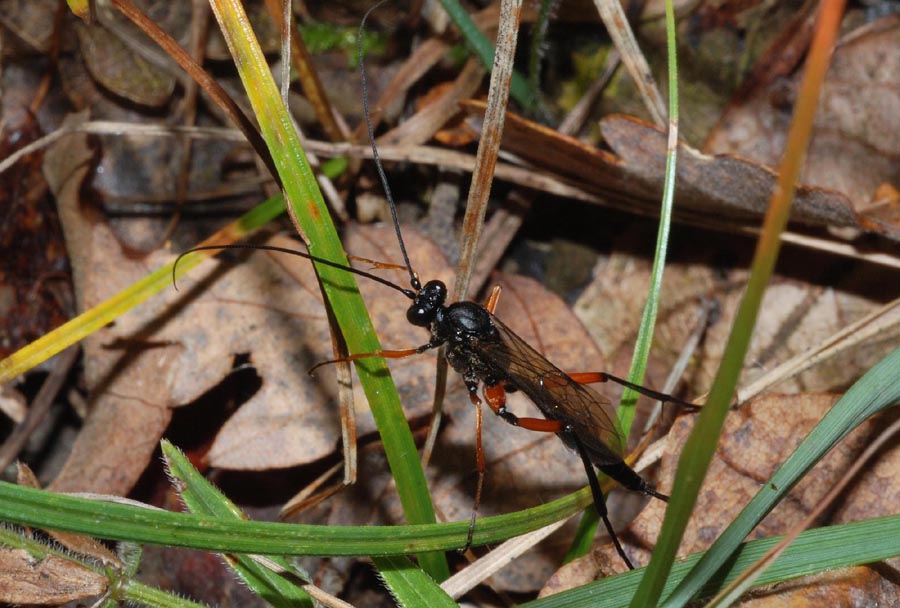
(875, 493)
(13, 404)
(854, 147)
(30, 21)
(155, 357)
(122, 71)
(77, 543)
(720, 186)
(129, 411)
(795, 315)
(848, 587)
(267, 307)
(756, 439)
(610, 307)
(580, 571)
(293, 419)
(49, 581)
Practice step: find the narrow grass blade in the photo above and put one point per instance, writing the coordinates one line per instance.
(651, 308)
(409, 585)
(877, 389)
(114, 521)
(311, 217)
(832, 547)
(699, 449)
(588, 527)
(202, 498)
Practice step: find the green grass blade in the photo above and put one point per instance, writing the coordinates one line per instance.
(48, 510)
(311, 217)
(827, 548)
(483, 48)
(138, 594)
(202, 498)
(588, 528)
(700, 446)
(409, 585)
(877, 389)
(651, 308)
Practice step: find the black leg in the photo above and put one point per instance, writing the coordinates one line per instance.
(599, 501)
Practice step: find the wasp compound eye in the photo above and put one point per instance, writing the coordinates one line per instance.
(420, 316)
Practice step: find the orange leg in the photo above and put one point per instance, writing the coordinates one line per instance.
(387, 354)
(589, 377)
(493, 299)
(496, 399)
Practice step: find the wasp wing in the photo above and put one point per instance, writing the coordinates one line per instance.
(589, 414)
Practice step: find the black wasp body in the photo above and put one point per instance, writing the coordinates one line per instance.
(485, 351)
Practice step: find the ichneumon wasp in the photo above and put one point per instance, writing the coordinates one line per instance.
(487, 354)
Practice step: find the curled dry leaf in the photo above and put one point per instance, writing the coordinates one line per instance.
(53, 580)
(631, 177)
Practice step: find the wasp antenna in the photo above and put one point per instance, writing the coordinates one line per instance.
(299, 254)
(413, 278)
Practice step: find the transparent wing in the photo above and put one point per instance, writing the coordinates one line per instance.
(590, 414)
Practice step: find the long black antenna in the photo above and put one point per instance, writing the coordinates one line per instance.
(407, 292)
(413, 277)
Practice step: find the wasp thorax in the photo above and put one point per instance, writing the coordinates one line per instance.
(470, 319)
(428, 301)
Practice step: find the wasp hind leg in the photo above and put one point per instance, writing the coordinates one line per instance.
(599, 500)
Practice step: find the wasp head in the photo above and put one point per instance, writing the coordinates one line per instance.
(428, 301)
